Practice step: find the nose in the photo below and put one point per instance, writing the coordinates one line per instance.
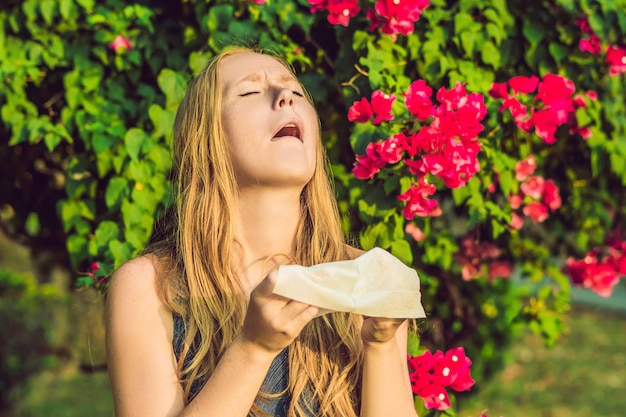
(284, 98)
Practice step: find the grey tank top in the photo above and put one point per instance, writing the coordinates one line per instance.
(275, 380)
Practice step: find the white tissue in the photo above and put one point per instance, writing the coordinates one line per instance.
(376, 284)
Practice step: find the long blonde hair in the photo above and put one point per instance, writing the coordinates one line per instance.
(197, 275)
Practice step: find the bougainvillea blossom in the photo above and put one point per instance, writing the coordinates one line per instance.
(417, 202)
(418, 100)
(431, 373)
(396, 16)
(525, 167)
(536, 211)
(523, 84)
(379, 108)
(339, 11)
(533, 186)
(616, 58)
(120, 44)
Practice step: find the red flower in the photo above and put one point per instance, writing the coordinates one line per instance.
(368, 165)
(590, 273)
(417, 100)
(550, 195)
(525, 167)
(392, 149)
(339, 11)
(616, 58)
(120, 44)
(360, 111)
(499, 90)
(536, 211)
(554, 88)
(523, 84)
(381, 106)
(417, 203)
(396, 16)
(593, 45)
(545, 125)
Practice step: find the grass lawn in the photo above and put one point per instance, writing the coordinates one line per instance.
(584, 375)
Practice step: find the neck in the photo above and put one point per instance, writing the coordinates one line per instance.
(266, 224)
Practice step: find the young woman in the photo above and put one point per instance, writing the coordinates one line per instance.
(193, 327)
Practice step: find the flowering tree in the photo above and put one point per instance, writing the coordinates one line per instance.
(480, 141)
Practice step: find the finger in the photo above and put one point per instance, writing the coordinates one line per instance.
(266, 287)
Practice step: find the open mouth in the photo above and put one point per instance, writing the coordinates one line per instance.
(290, 129)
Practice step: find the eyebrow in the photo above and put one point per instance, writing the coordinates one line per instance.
(258, 77)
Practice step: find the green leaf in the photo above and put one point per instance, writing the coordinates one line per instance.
(402, 250)
(47, 8)
(533, 30)
(133, 141)
(490, 54)
(173, 86)
(121, 252)
(106, 232)
(117, 189)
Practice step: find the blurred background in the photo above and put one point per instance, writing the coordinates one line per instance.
(534, 91)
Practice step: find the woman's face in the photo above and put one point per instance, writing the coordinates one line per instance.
(271, 128)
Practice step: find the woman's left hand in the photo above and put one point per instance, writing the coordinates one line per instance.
(379, 330)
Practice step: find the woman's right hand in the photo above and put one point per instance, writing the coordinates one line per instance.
(272, 322)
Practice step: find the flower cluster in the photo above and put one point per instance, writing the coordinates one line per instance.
(431, 373)
(480, 258)
(446, 147)
(554, 104)
(538, 196)
(392, 16)
(590, 42)
(601, 269)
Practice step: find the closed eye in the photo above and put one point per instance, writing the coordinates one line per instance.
(249, 93)
(299, 94)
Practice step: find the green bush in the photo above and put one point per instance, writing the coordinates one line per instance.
(25, 314)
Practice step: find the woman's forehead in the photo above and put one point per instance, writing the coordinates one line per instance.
(251, 66)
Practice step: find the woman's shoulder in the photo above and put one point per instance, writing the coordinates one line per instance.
(353, 252)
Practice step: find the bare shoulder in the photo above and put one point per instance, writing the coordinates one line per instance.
(353, 252)
(139, 331)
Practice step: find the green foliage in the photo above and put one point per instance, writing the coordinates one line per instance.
(86, 129)
(25, 308)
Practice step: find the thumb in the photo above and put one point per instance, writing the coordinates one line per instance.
(266, 287)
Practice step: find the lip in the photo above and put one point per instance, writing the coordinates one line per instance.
(284, 122)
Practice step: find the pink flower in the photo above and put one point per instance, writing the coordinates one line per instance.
(517, 222)
(545, 125)
(554, 88)
(258, 1)
(392, 149)
(417, 100)
(523, 84)
(360, 111)
(516, 200)
(550, 195)
(396, 16)
(517, 109)
(381, 106)
(533, 187)
(590, 273)
(415, 232)
(120, 44)
(368, 165)
(417, 203)
(500, 269)
(339, 11)
(536, 211)
(525, 167)
(583, 23)
(593, 45)
(616, 58)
